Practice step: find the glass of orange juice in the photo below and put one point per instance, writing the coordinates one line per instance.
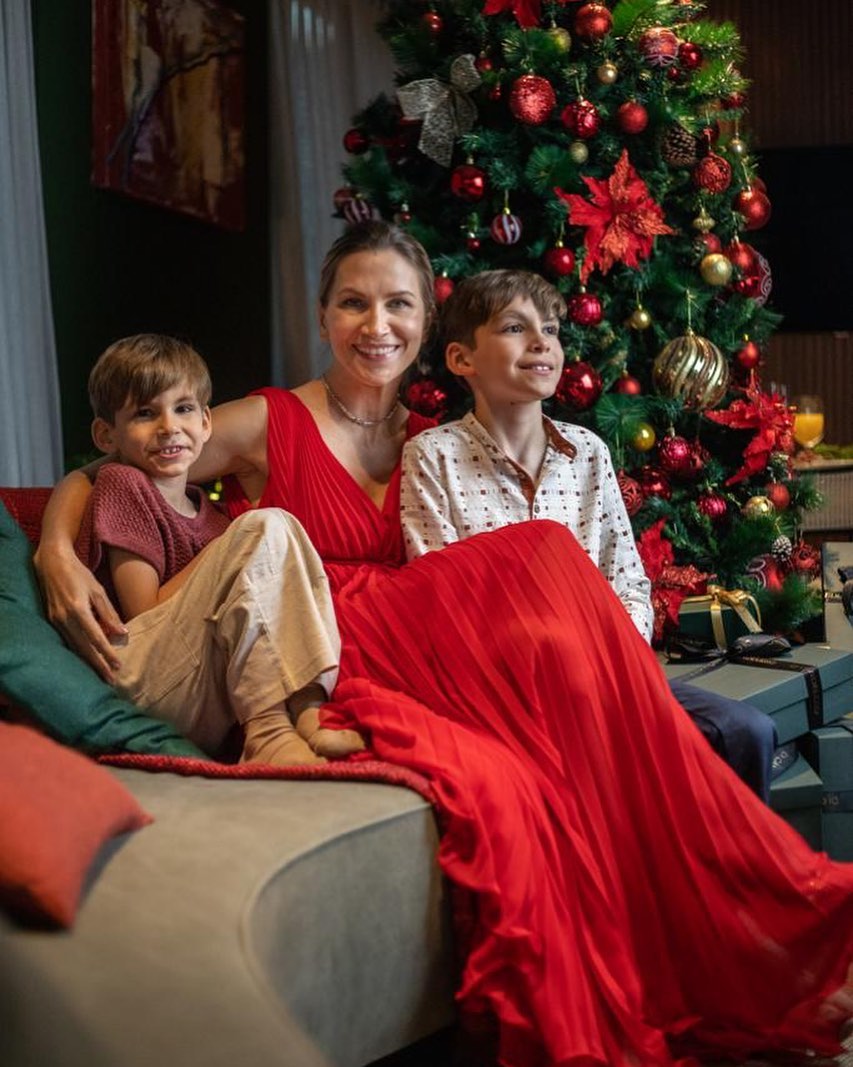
(808, 421)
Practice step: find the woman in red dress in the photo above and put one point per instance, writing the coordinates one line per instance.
(630, 901)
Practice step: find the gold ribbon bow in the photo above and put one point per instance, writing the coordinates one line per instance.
(445, 109)
(740, 602)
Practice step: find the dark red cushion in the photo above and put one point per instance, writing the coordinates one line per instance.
(26, 506)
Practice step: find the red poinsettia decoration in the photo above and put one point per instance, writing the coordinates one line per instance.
(622, 220)
(670, 583)
(768, 415)
(527, 12)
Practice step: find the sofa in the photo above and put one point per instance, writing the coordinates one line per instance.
(226, 915)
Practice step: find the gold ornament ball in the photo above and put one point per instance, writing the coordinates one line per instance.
(737, 147)
(693, 370)
(644, 438)
(578, 152)
(716, 269)
(639, 319)
(561, 38)
(757, 506)
(607, 73)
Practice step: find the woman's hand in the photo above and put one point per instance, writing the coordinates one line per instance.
(79, 608)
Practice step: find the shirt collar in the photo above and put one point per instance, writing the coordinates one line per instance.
(555, 439)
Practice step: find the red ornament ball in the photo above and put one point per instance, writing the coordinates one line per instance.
(632, 117)
(483, 63)
(708, 244)
(632, 493)
(442, 287)
(689, 55)
(579, 386)
(358, 210)
(473, 242)
(712, 173)
(585, 309)
(559, 261)
(759, 284)
(754, 206)
(712, 506)
(592, 22)
(627, 385)
(749, 356)
(433, 22)
(699, 456)
(778, 495)
(581, 119)
(658, 46)
(532, 99)
(468, 182)
(356, 142)
(506, 228)
(742, 256)
(766, 572)
(675, 454)
(426, 398)
(805, 559)
(734, 101)
(654, 482)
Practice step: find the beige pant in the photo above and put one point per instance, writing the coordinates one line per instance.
(253, 624)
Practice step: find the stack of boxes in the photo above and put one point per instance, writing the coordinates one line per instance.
(808, 692)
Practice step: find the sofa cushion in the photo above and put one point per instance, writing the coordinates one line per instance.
(42, 675)
(57, 808)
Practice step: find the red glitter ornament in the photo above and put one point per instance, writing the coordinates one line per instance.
(592, 22)
(506, 228)
(356, 142)
(805, 559)
(689, 55)
(627, 385)
(632, 493)
(754, 206)
(632, 117)
(532, 99)
(778, 495)
(579, 386)
(442, 287)
(712, 506)
(427, 398)
(468, 182)
(658, 46)
(675, 454)
(581, 119)
(584, 308)
(559, 260)
(749, 356)
(433, 22)
(654, 482)
(713, 173)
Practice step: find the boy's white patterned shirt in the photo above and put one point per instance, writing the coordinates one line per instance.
(458, 482)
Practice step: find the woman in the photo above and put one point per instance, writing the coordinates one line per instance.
(631, 901)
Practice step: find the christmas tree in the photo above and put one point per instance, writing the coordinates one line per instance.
(604, 145)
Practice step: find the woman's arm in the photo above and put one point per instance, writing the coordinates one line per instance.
(237, 445)
(75, 601)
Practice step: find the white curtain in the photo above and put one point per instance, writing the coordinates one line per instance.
(30, 427)
(326, 63)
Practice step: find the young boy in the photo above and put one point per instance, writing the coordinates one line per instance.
(226, 623)
(505, 462)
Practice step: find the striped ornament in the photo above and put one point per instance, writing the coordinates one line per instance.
(506, 228)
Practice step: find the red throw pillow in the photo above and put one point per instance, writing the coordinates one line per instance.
(57, 808)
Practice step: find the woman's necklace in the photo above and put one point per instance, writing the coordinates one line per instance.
(345, 411)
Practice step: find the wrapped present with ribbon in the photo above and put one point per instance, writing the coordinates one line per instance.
(720, 615)
(446, 110)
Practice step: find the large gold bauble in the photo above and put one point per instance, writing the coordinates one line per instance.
(693, 370)
(758, 506)
(716, 269)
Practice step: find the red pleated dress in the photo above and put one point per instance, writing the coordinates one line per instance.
(630, 901)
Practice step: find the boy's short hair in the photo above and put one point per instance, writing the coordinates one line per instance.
(141, 367)
(477, 298)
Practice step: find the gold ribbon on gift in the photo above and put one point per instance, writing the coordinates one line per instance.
(445, 109)
(744, 605)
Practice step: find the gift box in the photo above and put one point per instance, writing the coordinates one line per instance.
(829, 750)
(796, 795)
(838, 627)
(808, 687)
(719, 616)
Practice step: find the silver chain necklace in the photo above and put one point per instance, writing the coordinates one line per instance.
(345, 411)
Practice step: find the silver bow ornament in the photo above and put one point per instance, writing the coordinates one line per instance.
(445, 109)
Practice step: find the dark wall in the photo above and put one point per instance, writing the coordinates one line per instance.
(119, 266)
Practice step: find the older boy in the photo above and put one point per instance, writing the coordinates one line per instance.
(225, 623)
(505, 462)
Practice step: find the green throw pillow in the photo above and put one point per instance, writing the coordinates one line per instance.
(42, 675)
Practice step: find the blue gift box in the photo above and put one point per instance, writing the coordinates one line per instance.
(796, 795)
(788, 695)
(830, 751)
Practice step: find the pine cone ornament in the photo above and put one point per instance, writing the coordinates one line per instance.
(781, 549)
(679, 147)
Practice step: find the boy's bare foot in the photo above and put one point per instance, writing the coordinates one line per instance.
(271, 738)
